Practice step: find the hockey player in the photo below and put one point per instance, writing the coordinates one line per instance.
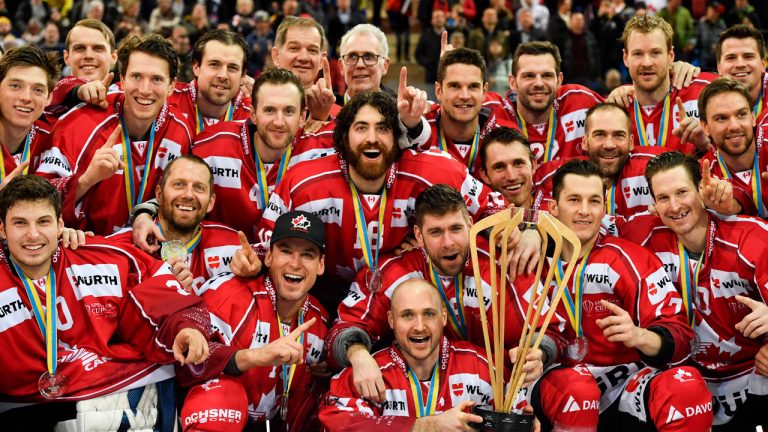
(277, 328)
(550, 114)
(719, 267)
(460, 122)
(218, 62)
(372, 182)
(185, 196)
(101, 184)
(431, 382)
(27, 76)
(739, 153)
(740, 53)
(661, 115)
(87, 323)
(626, 323)
(507, 165)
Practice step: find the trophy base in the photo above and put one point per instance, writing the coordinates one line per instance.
(502, 422)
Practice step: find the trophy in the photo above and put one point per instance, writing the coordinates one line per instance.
(501, 226)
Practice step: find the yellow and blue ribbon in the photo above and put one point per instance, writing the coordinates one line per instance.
(428, 409)
(193, 242)
(289, 371)
(46, 318)
(610, 201)
(443, 145)
(130, 187)
(200, 124)
(574, 309)
(688, 281)
(663, 129)
(362, 227)
(551, 129)
(261, 174)
(757, 187)
(24, 157)
(457, 321)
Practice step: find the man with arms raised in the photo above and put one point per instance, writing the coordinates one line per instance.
(185, 195)
(100, 184)
(27, 76)
(420, 362)
(277, 328)
(550, 114)
(719, 266)
(625, 320)
(662, 116)
(372, 182)
(92, 327)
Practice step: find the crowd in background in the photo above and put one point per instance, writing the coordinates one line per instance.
(586, 31)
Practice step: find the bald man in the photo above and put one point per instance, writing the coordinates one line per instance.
(453, 374)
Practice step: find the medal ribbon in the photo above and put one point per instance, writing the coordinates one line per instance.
(551, 126)
(200, 124)
(130, 188)
(427, 409)
(362, 227)
(574, 313)
(610, 202)
(46, 319)
(663, 129)
(457, 322)
(443, 145)
(192, 243)
(24, 157)
(758, 108)
(688, 281)
(261, 174)
(288, 371)
(757, 187)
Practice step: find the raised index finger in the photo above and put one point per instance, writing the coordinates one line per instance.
(443, 42)
(615, 309)
(243, 241)
(681, 114)
(108, 79)
(302, 328)
(401, 89)
(113, 137)
(706, 173)
(326, 72)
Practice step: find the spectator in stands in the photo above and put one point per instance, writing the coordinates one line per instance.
(581, 58)
(539, 13)
(457, 40)
(261, 42)
(95, 10)
(528, 33)
(505, 16)
(197, 23)
(679, 17)
(457, 21)
(345, 17)
(428, 49)
(499, 66)
(399, 13)
(28, 10)
(742, 9)
(481, 37)
(707, 32)
(132, 14)
(560, 23)
(162, 16)
(33, 34)
(242, 20)
(180, 40)
(607, 27)
(52, 40)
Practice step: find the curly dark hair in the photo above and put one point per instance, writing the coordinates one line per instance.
(384, 103)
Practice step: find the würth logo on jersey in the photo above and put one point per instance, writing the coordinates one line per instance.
(213, 262)
(457, 389)
(627, 192)
(301, 223)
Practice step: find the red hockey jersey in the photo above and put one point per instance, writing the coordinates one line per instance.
(184, 100)
(37, 142)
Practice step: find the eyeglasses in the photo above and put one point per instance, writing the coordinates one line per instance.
(368, 59)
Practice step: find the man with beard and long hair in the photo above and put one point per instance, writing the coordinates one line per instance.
(185, 195)
(737, 155)
(364, 193)
(550, 114)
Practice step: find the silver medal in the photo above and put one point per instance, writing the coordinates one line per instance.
(284, 407)
(577, 349)
(173, 249)
(373, 279)
(52, 386)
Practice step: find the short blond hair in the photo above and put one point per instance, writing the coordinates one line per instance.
(647, 24)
